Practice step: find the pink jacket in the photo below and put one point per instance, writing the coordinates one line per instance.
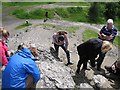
(3, 50)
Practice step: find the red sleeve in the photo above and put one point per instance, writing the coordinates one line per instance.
(4, 58)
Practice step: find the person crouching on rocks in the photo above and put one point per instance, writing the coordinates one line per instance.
(89, 51)
(60, 40)
(22, 71)
(114, 68)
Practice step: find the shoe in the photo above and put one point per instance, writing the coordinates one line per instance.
(70, 63)
(77, 71)
(98, 69)
(108, 68)
(85, 69)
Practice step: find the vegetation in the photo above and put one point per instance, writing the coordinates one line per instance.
(23, 25)
(88, 34)
(117, 41)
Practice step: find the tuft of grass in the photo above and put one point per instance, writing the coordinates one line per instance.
(88, 34)
(72, 29)
(23, 25)
(117, 41)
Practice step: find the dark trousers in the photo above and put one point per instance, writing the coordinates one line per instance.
(84, 60)
(66, 51)
(100, 59)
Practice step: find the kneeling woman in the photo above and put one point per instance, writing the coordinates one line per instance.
(89, 51)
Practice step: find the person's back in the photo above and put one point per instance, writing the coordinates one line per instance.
(19, 67)
(90, 48)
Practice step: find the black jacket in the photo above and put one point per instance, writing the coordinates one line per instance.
(90, 49)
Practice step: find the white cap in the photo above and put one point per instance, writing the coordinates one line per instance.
(110, 21)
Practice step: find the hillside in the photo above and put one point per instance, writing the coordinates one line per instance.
(54, 73)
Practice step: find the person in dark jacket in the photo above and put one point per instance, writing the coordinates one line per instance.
(108, 32)
(89, 51)
(20, 67)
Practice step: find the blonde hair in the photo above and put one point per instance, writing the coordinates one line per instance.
(106, 46)
(4, 33)
(31, 47)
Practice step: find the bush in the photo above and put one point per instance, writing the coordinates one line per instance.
(62, 12)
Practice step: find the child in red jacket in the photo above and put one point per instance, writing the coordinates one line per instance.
(4, 34)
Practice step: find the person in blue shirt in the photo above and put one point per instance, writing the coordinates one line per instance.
(21, 67)
(108, 32)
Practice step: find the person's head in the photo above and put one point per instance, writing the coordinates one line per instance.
(109, 23)
(61, 32)
(4, 34)
(34, 50)
(31, 47)
(106, 46)
(61, 38)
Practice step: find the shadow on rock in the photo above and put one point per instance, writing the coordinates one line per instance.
(115, 79)
(53, 53)
(81, 80)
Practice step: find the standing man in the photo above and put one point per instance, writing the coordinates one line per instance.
(108, 32)
(60, 39)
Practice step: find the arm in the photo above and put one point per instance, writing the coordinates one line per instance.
(66, 41)
(33, 70)
(4, 58)
(54, 39)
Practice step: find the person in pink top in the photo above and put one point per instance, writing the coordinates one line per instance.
(4, 34)
(60, 40)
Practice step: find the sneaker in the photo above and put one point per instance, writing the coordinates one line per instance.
(70, 63)
(108, 68)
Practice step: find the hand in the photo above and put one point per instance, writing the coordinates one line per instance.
(109, 37)
(3, 68)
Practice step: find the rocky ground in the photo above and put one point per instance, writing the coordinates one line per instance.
(54, 73)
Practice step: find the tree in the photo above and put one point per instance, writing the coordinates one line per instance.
(110, 10)
(93, 13)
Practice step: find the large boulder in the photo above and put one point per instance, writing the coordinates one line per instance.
(54, 74)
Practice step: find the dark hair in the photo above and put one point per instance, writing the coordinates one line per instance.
(61, 38)
(62, 32)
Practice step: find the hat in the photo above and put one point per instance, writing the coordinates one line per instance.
(110, 21)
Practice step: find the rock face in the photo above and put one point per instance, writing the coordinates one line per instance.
(85, 85)
(101, 82)
(54, 74)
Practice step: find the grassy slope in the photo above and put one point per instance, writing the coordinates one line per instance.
(88, 34)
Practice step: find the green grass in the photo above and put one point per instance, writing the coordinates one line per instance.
(76, 14)
(88, 34)
(71, 29)
(117, 41)
(23, 25)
